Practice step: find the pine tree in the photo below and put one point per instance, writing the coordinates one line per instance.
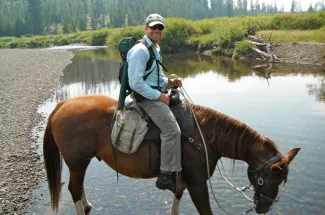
(245, 7)
(35, 17)
(20, 27)
(293, 6)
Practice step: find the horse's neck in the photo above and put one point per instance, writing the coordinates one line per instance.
(233, 139)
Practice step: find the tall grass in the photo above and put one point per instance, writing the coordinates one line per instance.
(294, 36)
(298, 21)
(182, 34)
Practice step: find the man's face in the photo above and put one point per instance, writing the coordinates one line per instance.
(155, 32)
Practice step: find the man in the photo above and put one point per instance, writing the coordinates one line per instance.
(151, 95)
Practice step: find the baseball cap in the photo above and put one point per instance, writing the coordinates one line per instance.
(154, 19)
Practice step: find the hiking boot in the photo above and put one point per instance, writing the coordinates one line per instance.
(167, 181)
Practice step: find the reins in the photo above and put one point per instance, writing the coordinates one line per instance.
(183, 91)
(259, 181)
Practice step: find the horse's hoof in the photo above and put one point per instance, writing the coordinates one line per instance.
(87, 209)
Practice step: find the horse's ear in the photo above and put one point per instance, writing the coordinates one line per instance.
(275, 168)
(292, 154)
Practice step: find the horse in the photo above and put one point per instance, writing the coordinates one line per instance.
(79, 129)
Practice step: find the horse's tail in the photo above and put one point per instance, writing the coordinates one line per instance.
(53, 162)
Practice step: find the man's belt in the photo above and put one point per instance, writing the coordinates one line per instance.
(139, 98)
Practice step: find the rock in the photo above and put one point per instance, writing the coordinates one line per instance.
(27, 77)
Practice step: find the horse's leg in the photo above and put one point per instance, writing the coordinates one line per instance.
(77, 190)
(200, 197)
(174, 210)
(85, 203)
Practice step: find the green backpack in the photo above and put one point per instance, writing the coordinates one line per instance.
(124, 46)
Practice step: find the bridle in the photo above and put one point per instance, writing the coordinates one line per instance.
(258, 175)
(253, 174)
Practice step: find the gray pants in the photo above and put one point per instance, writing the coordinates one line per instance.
(170, 136)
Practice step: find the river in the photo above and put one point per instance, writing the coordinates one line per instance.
(286, 104)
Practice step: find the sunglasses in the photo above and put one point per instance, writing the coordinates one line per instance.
(159, 27)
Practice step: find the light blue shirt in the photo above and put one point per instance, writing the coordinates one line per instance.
(137, 59)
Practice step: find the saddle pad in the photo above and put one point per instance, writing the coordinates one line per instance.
(184, 117)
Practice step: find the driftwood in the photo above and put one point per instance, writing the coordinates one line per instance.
(263, 70)
(262, 49)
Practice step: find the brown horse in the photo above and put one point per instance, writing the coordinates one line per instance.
(79, 129)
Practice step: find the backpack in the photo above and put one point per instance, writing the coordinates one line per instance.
(124, 46)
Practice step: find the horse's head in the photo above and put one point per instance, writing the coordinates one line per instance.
(267, 178)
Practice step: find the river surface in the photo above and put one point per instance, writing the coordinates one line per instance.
(286, 104)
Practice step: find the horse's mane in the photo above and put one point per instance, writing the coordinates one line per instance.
(233, 138)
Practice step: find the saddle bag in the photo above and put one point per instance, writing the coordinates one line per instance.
(129, 130)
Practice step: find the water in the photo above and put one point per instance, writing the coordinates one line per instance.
(288, 106)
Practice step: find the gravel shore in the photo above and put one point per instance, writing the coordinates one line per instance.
(27, 77)
(301, 53)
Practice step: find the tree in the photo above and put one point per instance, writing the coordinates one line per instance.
(82, 24)
(293, 4)
(35, 17)
(257, 7)
(245, 7)
(240, 7)
(252, 11)
(217, 8)
(230, 8)
(282, 9)
(20, 27)
(310, 9)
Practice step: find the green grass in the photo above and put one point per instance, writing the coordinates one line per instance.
(294, 36)
(242, 46)
(181, 34)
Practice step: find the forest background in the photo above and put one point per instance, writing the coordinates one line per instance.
(40, 17)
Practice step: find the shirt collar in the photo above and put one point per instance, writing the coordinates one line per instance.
(148, 41)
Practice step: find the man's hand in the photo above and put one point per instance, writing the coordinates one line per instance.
(177, 82)
(164, 98)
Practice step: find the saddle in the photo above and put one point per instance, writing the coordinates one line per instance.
(133, 125)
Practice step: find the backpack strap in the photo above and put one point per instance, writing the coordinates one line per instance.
(151, 59)
(151, 52)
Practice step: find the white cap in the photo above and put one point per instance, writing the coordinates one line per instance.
(154, 19)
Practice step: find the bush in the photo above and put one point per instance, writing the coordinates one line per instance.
(242, 46)
(62, 40)
(32, 42)
(98, 38)
(298, 21)
(81, 37)
(322, 29)
(7, 39)
(4, 45)
(118, 34)
(177, 34)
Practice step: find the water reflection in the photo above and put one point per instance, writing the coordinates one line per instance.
(280, 103)
(318, 90)
(91, 72)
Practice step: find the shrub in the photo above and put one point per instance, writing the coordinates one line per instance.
(63, 40)
(98, 38)
(242, 46)
(4, 45)
(177, 34)
(32, 42)
(118, 34)
(298, 21)
(7, 39)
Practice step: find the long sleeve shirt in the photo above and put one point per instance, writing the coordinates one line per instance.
(137, 59)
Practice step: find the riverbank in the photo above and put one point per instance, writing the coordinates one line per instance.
(27, 77)
(301, 53)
